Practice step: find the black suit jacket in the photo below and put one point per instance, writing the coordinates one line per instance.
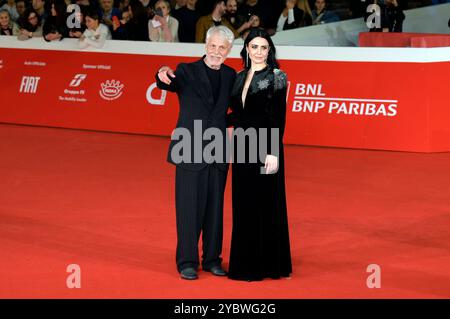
(196, 102)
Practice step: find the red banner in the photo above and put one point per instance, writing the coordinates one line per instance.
(403, 39)
(373, 105)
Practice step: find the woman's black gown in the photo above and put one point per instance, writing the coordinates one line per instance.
(260, 237)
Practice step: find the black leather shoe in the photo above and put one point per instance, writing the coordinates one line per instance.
(189, 273)
(216, 271)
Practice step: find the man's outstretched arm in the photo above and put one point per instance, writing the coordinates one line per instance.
(166, 79)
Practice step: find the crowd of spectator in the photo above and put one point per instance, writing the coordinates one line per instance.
(177, 20)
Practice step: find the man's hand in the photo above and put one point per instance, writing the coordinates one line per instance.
(164, 73)
(271, 164)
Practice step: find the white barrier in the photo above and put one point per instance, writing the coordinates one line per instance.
(308, 53)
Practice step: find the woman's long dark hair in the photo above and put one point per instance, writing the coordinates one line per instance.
(271, 58)
(138, 11)
(61, 12)
(25, 24)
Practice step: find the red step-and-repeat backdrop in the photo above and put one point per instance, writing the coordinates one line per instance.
(373, 105)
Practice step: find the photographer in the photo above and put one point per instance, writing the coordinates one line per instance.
(253, 22)
(163, 27)
(292, 17)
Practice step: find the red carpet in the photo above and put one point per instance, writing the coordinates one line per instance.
(105, 201)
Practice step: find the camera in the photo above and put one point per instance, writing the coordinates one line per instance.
(159, 12)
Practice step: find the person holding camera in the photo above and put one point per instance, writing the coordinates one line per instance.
(292, 17)
(240, 23)
(163, 27)
(253, 22)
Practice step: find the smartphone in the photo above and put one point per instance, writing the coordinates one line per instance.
(115, 20)
(159, 12)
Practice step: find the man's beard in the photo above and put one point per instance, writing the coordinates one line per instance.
(231, 14)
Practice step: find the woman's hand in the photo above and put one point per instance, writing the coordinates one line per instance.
(161, 20)
(290, 4)
(53, 36)
(394, 3)
(25, 32)
(271, 164)
(115, 24)
(75, 34)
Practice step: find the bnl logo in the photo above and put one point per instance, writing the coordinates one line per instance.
(29, 84)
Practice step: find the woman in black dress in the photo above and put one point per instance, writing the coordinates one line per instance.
(260, 237)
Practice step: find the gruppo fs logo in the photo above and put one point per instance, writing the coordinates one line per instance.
(77, 80)
(111, 90)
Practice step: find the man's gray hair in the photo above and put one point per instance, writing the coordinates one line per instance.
(221, 30)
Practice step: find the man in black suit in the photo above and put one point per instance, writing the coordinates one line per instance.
(203, 89)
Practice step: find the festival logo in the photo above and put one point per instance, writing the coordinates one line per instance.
(155, 101)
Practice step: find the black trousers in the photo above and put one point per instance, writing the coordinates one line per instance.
(199, 210)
